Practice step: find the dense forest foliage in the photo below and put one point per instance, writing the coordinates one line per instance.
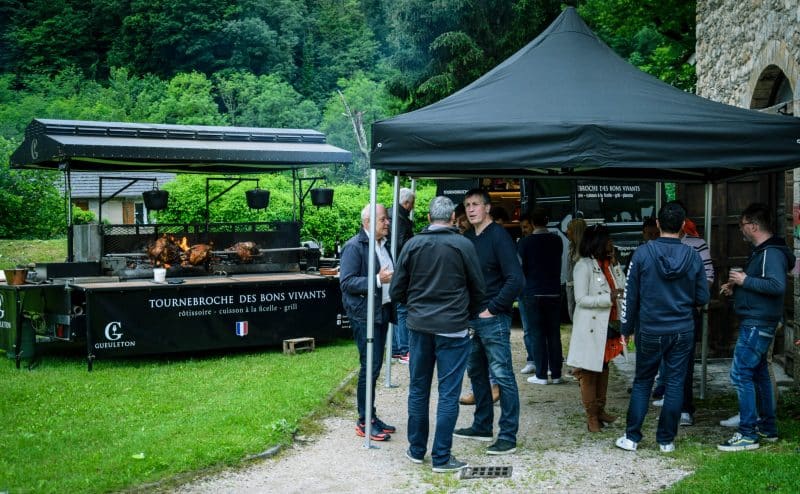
(277, 63)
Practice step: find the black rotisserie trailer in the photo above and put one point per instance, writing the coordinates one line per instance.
(227, 302)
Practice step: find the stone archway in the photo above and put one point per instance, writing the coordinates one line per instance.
(774, 79)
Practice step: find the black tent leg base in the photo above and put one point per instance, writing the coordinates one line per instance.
(89, 362)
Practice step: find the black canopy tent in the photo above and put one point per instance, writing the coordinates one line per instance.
(567, 106)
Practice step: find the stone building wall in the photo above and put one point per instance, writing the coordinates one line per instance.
(743, 48)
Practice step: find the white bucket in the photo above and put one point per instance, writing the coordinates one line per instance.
(159, 275)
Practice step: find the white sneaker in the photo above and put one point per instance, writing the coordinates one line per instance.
(536, 380)
(659, 402)
(626, 444)
(730, 421)
(667, 448)
(686, 419)
(528, 369)
(555, 381)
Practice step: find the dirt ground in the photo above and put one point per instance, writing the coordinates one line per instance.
(555, 452)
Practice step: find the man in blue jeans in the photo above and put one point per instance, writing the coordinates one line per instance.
(666, 281)
(758, 293)
(491, 344)
(432, 274)
(405, 230)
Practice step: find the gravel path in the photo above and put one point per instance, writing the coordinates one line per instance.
(555, 452)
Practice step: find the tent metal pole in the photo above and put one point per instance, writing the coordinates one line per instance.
(390, 332)
(704, 345)
(370, 307)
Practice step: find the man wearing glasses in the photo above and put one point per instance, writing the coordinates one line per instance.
(758, 293)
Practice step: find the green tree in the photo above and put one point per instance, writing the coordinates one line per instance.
(264, 101)
(440, 48)
(188, 100)
(658, 36)
(363, 95)
(338, 44)
(30, 204)
(45, 37)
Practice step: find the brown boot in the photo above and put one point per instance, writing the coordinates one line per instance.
(602, 388)
(588, 382)
(495, 393)
(467, 399)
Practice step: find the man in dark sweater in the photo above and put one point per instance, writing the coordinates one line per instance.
(540, 253)
(666, 281)
(491, 344)
(405, 230)
(430, 277)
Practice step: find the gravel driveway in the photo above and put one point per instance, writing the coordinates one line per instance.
(555, 452)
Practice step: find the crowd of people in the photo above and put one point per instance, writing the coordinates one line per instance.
(450, 290)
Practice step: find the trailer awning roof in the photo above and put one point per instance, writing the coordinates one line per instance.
(117, 146)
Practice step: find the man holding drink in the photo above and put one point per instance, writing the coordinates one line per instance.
(758, 292)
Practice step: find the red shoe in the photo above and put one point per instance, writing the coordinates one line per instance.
(375, 434)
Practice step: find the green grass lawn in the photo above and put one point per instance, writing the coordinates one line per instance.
(135, 421)
(23, 252)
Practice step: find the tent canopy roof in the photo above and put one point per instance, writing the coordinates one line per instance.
(116, 146)
(566, 105)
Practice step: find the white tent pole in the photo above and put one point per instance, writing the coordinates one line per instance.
(704, 345)
(390, 333)
(370, 306)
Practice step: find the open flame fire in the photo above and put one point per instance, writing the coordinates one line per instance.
(184, 245)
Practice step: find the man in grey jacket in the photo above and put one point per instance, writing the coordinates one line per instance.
(430, 277)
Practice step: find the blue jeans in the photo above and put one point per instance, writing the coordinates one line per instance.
(400, 332)
(651, 349)
(491, 348)
(544, 320)
(449, 357)
(750, 377)
(360, 337)
(526, 329)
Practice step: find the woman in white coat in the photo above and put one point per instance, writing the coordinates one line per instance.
(599, 283)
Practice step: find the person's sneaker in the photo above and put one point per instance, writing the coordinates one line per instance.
(769, 438)
(374, 433)
(536, 380)
(528, 369)
(555, 381)
(738, 443)
(380, 424)
(659, 402)
(413, 458)
(686, 419)
(626, 444)
(501, 447)
(403, 359)
(730, 421)
(470, 433)
(452, 465)
(667, 448)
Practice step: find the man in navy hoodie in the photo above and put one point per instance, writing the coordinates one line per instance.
(666, 281)
(758, 293)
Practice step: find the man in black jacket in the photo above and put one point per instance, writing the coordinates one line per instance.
(405, 230)
(432, 272)
(354, 284)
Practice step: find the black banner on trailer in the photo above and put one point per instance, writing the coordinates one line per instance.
(144, 320)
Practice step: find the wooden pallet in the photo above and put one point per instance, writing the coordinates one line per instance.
(294, 345)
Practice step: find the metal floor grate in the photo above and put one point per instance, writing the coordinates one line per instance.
(486, 472)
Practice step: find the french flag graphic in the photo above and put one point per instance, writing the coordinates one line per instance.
(241, 328)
